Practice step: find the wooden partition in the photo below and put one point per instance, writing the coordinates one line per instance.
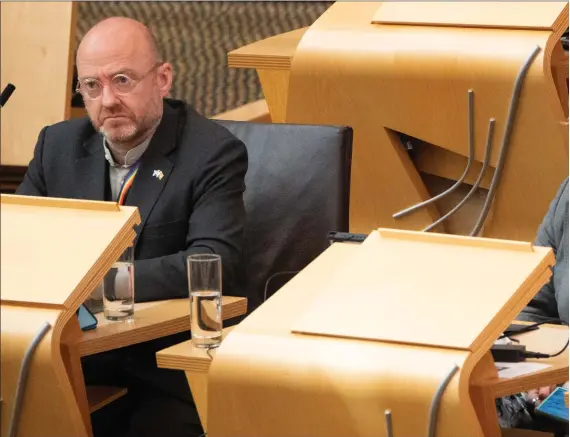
(378, 327)
(37, 57)
(404, 68)
(54, 253)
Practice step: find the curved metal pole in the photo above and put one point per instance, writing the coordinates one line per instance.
(506, 137)
(477, 182)
(465, 172)
(22, 379)
(436, 400)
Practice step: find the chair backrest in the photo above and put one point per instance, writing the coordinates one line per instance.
(297, 191)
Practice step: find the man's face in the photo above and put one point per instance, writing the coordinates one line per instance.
(131, 88)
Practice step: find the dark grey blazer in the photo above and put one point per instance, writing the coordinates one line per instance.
(197, 207)
(552, 299)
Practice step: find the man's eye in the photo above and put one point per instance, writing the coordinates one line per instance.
(121, 80)
(91, 85)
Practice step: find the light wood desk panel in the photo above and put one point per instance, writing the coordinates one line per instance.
(152, 320)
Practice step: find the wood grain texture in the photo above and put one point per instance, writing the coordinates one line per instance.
(449, 165)
(185, 356)
(297, 379)
(275, 85)
(195, 362)
(483, 403)
(42, 72)
(83, 258)
(465, 272)
(72, 362)
(152, 320)
(274, 53)
(414, 80)
(49, 401)
(512, 15)
(381, 78)
(252, 112)
(47, 271)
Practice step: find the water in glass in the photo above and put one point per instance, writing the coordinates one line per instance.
(118, 294)
(205, 318)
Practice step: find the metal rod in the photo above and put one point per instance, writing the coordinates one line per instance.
(22, 379)
(504, 147)
(389, 427)
(477, 182)
(436, 400)
(471, 152)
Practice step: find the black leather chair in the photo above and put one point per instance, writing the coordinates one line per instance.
(297, 191)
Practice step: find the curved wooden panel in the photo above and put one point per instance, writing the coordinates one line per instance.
(295, 381)
(49, 398)
(414, 80)
(45, 279)
(353, 382)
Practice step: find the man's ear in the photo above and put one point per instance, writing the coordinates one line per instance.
(164, 79)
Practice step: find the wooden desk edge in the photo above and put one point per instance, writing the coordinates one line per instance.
(234, 308)
(555, 374)
(191, 360)
(273, 53)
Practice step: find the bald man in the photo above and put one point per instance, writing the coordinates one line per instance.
(184, 172)
(188, 171)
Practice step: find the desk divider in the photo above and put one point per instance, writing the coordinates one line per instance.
(54, 252)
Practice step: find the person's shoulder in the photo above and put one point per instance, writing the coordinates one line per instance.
(69, 130)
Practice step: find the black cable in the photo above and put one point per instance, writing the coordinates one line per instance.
(274, 275)
(22, 379)
(436, 400)
(475, 186)
(539, 355)
(456, 185)
(504, 146)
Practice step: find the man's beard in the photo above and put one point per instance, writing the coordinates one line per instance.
(135, 128)
(121, 135)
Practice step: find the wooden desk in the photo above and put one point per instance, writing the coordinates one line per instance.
(195, 362)
(309, 363)
(548, 339)
(271, 58)
(384, 79)
(152, 320)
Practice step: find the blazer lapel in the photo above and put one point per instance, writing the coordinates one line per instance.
(91, 171)
(155, 167)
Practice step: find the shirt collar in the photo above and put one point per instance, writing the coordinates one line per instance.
(131, 157)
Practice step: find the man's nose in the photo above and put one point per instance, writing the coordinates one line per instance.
(108, 97)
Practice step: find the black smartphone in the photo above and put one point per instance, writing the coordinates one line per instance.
(87, 320)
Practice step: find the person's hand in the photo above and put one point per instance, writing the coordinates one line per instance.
(536, 396)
